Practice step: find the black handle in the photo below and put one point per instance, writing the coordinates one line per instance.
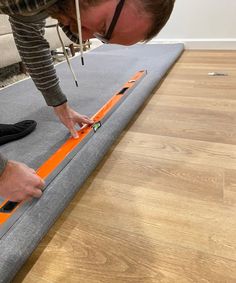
(8, 207)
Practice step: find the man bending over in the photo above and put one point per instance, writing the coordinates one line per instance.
(112, 21)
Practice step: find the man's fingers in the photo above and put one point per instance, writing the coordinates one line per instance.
(32, 193)
(23, 196)
(84, 120)
(74, 133)
(36, 180)
(36, 193)
(32, 171)
(40, 184)
(88, 121)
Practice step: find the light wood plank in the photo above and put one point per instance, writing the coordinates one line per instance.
(179, 149)
(230, 187)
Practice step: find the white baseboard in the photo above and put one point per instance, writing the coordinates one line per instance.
(201, 43)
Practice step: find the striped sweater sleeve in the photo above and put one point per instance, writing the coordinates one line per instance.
(35, 53)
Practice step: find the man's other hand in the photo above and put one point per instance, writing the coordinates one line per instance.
(18, 182)
(71, 118)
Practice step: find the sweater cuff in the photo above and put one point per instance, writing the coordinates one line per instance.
(3, 163)
(54, 96)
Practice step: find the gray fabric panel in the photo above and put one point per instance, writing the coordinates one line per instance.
(3, 163)
(106, 70)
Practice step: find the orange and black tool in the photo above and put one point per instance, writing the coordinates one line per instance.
(55, 164)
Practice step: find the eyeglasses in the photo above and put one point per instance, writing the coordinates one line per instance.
(106, 38)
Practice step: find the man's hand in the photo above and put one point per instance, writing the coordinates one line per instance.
(70, 118)
(19, 182)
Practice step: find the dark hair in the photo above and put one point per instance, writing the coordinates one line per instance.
(159, 11)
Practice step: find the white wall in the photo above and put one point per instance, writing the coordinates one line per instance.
(202, 24)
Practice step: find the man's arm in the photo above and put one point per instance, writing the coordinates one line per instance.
(35, 53)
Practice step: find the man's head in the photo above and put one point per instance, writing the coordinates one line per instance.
(139, 20)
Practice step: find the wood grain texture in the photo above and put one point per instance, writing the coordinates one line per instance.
(161, 207)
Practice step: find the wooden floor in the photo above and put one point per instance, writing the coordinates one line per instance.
(161, 207)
